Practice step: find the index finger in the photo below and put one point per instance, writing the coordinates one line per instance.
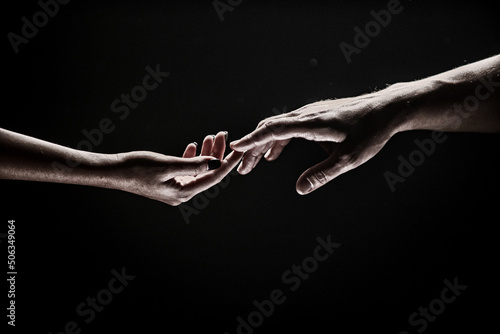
(270, 130)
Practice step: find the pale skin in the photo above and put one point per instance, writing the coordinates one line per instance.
(353, 130)
(168, 179)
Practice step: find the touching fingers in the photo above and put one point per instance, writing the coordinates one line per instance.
(192, 166)
(252, 158)
(211, 178)
(212, 152)
(271, 130)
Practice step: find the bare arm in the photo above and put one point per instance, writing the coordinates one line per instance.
(168, 179)
(352, 130)
(463, 99)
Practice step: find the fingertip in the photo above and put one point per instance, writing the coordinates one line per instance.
(242, 170)
(271, 155)
(206, 146)
(190, 150)
(219, 145)
(304, 186)
(240, 145)
(233, 145)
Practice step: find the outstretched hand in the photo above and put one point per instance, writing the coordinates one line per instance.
(175, 180)
(351, 130)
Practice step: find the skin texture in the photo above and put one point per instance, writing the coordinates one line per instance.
(168, 179)
(353, 130)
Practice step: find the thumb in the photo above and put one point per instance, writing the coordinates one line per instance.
(193, 166)
(320, 174)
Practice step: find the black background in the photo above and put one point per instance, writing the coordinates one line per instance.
(396, 248)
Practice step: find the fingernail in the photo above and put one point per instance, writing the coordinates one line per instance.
(195, 143)
(226, 135)
(214, 164)
(213, 137)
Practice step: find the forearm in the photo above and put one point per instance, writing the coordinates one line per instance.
(463, 99)
(27, 158)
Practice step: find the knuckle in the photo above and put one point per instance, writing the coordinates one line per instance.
(271, 128)
(253, 154)
(261, 123)
(321, 177)
(264, 121)
(348, 161)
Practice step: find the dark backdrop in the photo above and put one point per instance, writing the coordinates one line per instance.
(397, 247)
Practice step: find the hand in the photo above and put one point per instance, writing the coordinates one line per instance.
(168, 179)
(351, 130)
(174, 180)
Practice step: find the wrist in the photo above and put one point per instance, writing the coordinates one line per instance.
(100, 170)
(409, 105)
(126, 171)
